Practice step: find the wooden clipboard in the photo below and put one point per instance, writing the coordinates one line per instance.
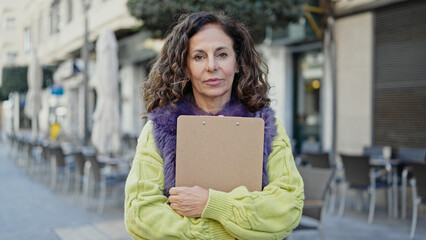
(221, 153)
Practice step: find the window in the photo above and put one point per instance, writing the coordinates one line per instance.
(54, 17)
(11, 57)
(70, 12)
(307, 82)
(10, 23)
(27, 40)
(40, 35)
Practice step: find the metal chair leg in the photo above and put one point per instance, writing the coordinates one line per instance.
(53, 172)
(333, 196)
(372, 204)
(389, 193)
(416, 201)
(86, 182)
(67, 180)
(404, 194)
(102, 196)
(395, 193)
(372, 190)
(342, 200)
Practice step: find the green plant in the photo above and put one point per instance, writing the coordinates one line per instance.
(159, 15)
(14, 79)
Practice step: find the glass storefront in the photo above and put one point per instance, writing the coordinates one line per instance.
(307, 83)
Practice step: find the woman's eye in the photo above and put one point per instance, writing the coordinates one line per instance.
(198, 57)
(223, 55)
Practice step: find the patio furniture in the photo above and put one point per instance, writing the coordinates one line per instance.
(27, 155)
(13, 142)
(74, 167)
(99, 177)
(45, 162)
(407, 156)
(378, 152)
(360, 175)
(316, 183)
(35, 166)
(57, 165)
(322, 160)
(129, 141)
(317, 160)
(418, 185)
(19, 150)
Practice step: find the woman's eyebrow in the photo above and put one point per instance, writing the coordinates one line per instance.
(217, 49)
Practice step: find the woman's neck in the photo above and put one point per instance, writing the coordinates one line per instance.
(211, 105)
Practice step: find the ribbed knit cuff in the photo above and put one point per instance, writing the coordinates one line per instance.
(217, 231)
(219, 206)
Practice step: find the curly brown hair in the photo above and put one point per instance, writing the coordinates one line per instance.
(168, 82)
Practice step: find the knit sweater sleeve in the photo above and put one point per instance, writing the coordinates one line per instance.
(147, 212)
(269, 214)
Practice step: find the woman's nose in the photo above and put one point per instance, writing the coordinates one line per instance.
(212, 64)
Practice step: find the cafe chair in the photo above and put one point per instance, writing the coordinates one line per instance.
(28, 156)
(407, 156)
(418, 185)
(12, 141)
(19, 154)
(129, 141)
(38, 160)
(98, 179)
(359, 175)
(74, 172)
(316, 183)
(321, 160)
(316, 160)
(58, 165)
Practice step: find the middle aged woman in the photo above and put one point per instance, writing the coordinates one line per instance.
(209, 66)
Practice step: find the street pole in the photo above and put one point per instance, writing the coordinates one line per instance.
(85, 54)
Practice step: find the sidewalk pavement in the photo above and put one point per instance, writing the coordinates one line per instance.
(30, 210)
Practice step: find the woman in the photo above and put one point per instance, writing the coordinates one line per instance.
(209, 66)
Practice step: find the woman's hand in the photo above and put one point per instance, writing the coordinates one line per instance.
(188, 201)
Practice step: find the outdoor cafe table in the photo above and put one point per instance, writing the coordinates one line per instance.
(392, 166)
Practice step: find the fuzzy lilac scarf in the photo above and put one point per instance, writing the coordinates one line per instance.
(165, 127)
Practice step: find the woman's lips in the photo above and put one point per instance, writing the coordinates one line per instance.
(213, 81)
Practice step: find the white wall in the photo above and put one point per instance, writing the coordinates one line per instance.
(275, 57)
(131, 77)
(326, 94)
(354, 38)
(58, 47)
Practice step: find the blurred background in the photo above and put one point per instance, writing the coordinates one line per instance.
(348, 77)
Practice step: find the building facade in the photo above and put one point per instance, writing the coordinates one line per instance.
(359, 83)
(56, 29)
(381, 79)
(372, 85)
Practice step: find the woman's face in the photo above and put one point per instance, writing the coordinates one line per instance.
(211, 64)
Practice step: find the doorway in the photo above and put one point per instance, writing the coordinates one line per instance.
(308, 74)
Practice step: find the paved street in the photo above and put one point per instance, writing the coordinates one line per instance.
(30, 210)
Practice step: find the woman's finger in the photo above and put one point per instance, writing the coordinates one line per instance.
(173, 199)
(173, 191)
(174, 206)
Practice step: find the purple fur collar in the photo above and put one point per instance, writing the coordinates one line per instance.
(165, 124)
